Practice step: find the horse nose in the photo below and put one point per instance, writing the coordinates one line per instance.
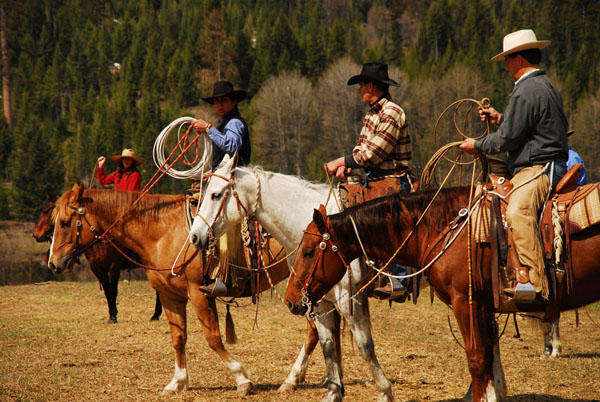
(296, 309)
(196, 240)
(53, 268)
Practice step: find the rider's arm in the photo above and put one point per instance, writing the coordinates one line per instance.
(230, 140)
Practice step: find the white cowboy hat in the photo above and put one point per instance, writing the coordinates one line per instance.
(520, 40)
(127, 153)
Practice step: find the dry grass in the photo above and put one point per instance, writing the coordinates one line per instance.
(55, 345)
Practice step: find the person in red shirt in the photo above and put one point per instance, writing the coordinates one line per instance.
(126, 177)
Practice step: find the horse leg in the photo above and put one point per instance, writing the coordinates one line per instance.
(360, 325)
(552, 344)
(157, 308)
(176, 315)
(109, 287)
(113, 275)
(206, 310)
(298, 372)
(326, 328)
(483, 351)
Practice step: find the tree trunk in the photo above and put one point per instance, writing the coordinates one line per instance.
(5, 68)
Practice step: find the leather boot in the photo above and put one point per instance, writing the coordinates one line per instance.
(524, 291)
(390, 292)
(215, 289)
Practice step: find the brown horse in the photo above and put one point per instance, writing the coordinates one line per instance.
(106, 263)
(385, 223)
(155, 229)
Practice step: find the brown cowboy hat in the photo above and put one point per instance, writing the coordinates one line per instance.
(373, 72)
(127, 153)
(225, 88)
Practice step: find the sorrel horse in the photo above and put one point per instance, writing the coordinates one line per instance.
(283, 205)
(105, 262)
(385, 223)
(155, 229)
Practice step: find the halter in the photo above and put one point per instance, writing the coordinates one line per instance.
(326, 239)
(221, 211)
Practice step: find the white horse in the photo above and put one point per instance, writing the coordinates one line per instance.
(284, 206)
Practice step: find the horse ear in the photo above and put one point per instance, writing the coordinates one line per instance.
(50, 197)
(79, 191)
(319, 220)
(322, 210)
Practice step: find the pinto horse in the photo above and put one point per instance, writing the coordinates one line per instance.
(105, 262)
(154, 229)
(382, 225)
(283, 205)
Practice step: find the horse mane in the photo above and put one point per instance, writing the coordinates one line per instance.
(250, 169)
(111, 203)
(403, 210)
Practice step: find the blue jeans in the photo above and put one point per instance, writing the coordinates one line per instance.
(560, 168)
(397, 269)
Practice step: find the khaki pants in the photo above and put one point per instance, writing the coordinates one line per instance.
(521, 216)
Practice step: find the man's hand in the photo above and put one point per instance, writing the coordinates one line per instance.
(468, 146)
(333, 166)
(490, 113)
(200, 125)
(101, 161)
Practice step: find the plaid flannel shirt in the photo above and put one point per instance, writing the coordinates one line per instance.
(384, 141)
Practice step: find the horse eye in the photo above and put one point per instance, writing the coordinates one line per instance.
(309, 253)
(215, 196)
(64, 224)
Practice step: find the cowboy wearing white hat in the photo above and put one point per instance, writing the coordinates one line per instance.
(533, 131)
(126, 177)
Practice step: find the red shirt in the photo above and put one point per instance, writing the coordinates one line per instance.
(130, 181)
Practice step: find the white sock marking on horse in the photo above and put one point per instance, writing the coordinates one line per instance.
(239, 372)
(498, 372)
(298, 371)
(179, 382)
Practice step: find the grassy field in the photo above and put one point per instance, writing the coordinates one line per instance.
(55, 345)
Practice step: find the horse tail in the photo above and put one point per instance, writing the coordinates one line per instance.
(230, 336)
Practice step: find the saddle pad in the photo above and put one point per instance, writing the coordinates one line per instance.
(585, 212)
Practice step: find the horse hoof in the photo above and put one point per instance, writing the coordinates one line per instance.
(244, 389)
(287, 387)
(168, 392)
(112, 320)
(154, 318)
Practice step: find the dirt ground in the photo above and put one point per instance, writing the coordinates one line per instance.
(55, 345)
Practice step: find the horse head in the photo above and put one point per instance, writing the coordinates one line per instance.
(45, 225)
(215, 215)
(73, 231)
(319, 265)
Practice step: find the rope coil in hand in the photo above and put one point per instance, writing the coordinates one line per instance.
(201, 164)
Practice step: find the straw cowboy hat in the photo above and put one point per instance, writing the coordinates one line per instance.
(127, 153)
(225, 88)
(373, 72)
(520, 40)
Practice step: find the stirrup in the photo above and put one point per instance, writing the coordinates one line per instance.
(522, 293)
(215, 289)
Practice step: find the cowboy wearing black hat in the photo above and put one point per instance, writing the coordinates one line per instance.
(383, 151)
(231, 133)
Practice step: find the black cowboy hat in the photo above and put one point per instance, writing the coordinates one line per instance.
(373, 72)
(225, 88)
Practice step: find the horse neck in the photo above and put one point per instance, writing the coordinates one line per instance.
(382, 236)
(131, 232)
(286, 204)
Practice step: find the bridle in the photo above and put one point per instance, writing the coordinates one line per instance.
(78, 251)
(230, 188)
(319, 261)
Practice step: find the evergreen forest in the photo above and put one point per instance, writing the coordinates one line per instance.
(84, 78)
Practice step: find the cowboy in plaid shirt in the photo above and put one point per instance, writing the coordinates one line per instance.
(383, 150)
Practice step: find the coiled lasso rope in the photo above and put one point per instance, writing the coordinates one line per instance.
(158, 152)
(429, 169)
